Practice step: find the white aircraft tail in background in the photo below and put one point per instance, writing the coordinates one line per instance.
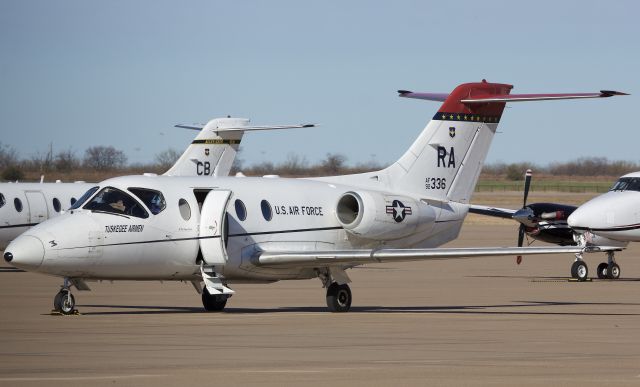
(214, 149)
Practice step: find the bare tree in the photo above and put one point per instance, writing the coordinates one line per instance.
(8, 156)
(104, 158)
(66, 161)
(334, 163)
(167, 158)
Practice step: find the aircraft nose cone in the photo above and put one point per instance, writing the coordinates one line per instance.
(577, 219)
(25, 252)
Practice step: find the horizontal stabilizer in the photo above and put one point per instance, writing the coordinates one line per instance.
(539, 97)
(246, 128)
(359, 257)
(509, 97)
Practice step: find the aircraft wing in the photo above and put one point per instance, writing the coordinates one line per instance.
(358, 257)
(492, 211)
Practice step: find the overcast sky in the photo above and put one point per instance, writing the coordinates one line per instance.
(122, 73)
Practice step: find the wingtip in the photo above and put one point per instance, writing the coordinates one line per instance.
(611, 93)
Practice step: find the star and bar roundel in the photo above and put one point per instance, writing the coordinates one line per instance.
(398, 211)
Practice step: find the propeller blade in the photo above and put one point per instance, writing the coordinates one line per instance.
(527, 184)
(520, 242)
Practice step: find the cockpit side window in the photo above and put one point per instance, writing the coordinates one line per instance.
(627, 184)
(154, 200)
(112, 200)
(83, 198)
(2, 200)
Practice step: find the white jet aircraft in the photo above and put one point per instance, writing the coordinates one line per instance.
(612, 215)
(23, 205)
(259, 230)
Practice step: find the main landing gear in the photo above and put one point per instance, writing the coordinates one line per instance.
(338, 292)
(64, 302)
(608, 270)
(213, 302)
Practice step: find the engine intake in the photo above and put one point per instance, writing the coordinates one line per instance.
(375, 215)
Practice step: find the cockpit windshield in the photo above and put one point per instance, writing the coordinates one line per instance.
(627, 184)
(154, 200)
(2, 201)
(83, 198)
(114, 201)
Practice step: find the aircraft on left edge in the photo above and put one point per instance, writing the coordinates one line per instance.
(211, 153)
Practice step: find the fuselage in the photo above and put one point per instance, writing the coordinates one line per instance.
(614, 214)
(262, 214)
(23, 205)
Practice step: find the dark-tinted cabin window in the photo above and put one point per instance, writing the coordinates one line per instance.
(18, 204)
(72, 201)
(83, 198)
(154, 200)
(266, 210)
(2, 201)
(241, 210)
(56, 205)
(112, 200)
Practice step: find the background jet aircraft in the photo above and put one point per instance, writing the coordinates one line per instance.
(217, 232)
(23, 205)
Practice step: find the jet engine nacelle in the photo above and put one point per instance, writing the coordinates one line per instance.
(374, 215)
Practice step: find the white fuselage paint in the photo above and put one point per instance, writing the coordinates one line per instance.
(94, 245)
(614, 215)
(27, 204)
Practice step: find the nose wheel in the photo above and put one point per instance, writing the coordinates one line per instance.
(64, 302)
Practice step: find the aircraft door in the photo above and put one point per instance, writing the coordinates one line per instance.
(213, 228)
(37, 206)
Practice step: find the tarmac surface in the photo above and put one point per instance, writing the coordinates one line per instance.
(483, 321)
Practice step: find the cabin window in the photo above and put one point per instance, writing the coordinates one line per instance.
(185, 209)
(266, 210)
(2, 201)
(56, 205)
(83, 198)
(154, 200)
(18, 204)
(112, 200)
(241, 210)
(72, 201)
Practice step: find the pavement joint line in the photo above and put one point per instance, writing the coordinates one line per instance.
(78, 378)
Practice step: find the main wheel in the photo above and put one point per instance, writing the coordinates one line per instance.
(338, 298)
(613, 271)
(64, 302)
(580, 270)
(213, 302)
(602, 270)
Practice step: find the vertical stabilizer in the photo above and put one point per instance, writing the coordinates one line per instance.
(213, 150)
(446, 159)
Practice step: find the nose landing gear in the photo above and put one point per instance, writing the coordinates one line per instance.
(64, 302)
